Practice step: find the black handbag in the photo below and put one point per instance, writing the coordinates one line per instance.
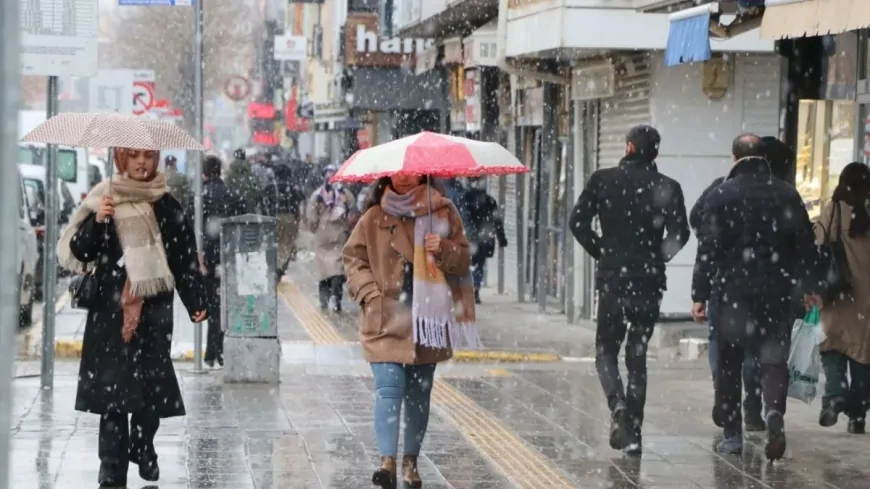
(838, 278)
(83, 289)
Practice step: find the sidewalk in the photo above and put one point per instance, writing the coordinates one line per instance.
(510, 331)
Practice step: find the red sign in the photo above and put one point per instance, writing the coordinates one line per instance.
(291, 120)
(265, 139)
(237, 88)
(143, 97)
(261, 111)
(362, 138)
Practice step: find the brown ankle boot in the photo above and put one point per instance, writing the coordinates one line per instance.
(409, 472)
(385, 476)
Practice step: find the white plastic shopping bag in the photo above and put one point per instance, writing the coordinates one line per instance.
(804, 361)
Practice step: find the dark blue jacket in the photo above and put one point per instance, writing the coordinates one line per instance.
(755, 238)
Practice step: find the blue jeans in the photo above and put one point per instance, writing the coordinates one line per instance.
(751, 364)
(394, 384)
(478, 268)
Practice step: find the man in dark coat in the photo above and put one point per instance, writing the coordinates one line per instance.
(242, 183)
(177, 182)
(635, 205)
(121, 376)
(779, 155)
(755, 240)
(483, 228)
(218, 202)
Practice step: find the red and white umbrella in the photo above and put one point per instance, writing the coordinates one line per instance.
(428, 153)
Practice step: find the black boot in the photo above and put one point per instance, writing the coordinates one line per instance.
(113, 440)
(831, 409)
(774, 448)
(477, 296)
(731, 444)
(112, 474)
(143, 428)
(620, 427)
(856, 426)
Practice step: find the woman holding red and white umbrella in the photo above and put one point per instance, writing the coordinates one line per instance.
(408, 266)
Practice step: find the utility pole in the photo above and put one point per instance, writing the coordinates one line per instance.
(198, 161)
(10, 69)
(49, 267)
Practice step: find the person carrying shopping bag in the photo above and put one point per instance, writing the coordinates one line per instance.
(845, 318)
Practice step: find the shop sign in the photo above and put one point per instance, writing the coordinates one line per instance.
(427, 60)
(453, 51)
(364, 46)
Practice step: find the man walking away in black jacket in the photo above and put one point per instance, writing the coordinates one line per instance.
(635, 205)
(757, 242)
(218, 202)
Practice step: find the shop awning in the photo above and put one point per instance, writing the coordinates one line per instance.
(797, 18)
(689, 36)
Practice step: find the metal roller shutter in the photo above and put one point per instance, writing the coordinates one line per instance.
(628, 107)
(761, 85)
(512, 225)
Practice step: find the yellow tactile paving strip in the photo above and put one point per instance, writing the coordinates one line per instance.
(525, 467)
(321, 331)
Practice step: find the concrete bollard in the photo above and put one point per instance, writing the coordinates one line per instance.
(252, 351)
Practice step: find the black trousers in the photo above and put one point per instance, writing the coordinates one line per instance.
(761, 326)
(332, 287)
(122, 441)
(627, 311)
(214, 343)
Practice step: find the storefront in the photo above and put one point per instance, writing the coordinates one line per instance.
(833, 125)
(383, 92)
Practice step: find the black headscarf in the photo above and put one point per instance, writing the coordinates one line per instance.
(853, 188)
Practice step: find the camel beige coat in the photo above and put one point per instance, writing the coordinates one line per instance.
(847, 322)
(330, 234)
(373, 259)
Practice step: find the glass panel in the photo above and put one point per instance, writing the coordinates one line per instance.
(842, 65)
(826, 144)
(865, 134)
(67, 165)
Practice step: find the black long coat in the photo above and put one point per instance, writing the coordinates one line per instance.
(130, 377)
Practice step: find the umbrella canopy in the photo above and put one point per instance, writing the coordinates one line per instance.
(432, 154)
(111, 130)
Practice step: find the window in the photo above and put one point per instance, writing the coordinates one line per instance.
(35, 188)
(826, 144)
(67, 161)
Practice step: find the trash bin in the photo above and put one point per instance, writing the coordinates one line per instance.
(252, 350)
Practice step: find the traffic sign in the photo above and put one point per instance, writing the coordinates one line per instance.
(111, 91)
(143, 97)
(237, 88)
(59, 38)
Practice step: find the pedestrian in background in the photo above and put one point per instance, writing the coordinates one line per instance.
(846, 320)
(264, 176)
(289, 207)
(755, 238)
(218, 203)
(140, 248)
(242, 183)
(483, 228)
(636, 206)
(179, 186)
(410, 317)
(328, 212)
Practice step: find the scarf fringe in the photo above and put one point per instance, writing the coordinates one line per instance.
(433, 333)
(152, 287)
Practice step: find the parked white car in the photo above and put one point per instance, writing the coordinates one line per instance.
(27, 257)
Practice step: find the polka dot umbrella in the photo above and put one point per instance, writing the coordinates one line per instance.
(111, 130)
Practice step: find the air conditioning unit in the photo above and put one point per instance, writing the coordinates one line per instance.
(593, 82)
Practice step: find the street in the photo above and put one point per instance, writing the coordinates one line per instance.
(521, 425)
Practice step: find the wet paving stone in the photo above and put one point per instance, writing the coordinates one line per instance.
(315, 431)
